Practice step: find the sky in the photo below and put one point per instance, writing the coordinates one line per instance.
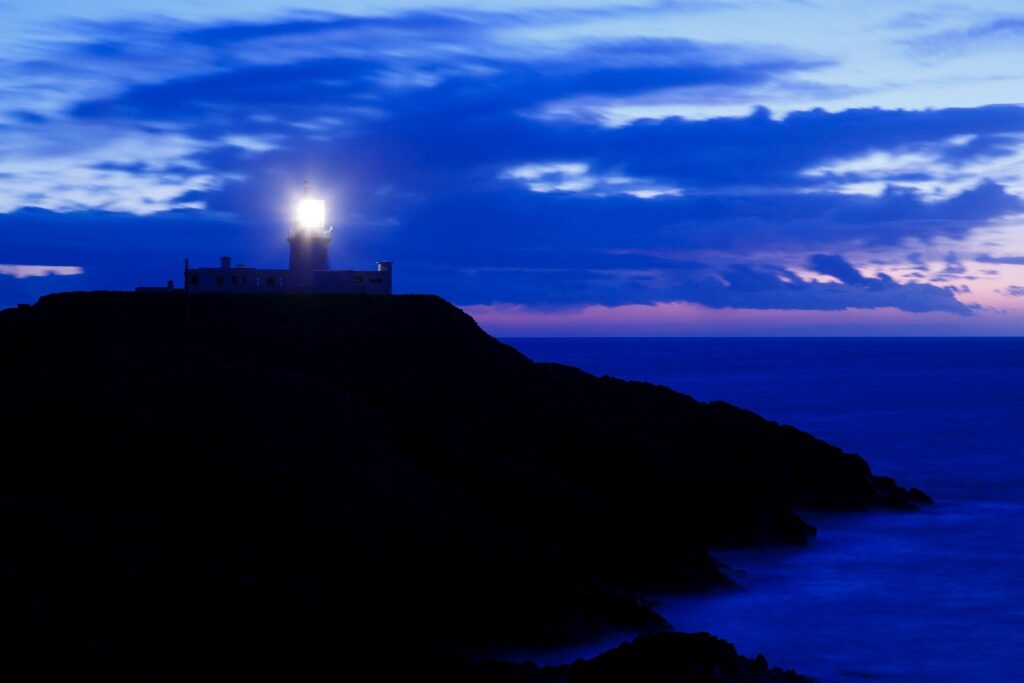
(704, 167)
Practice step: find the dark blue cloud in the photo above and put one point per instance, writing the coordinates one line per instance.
(760, 286)
(990, 146)
(414, 150)
(1007, 260)
(837, 267)
(747, 287)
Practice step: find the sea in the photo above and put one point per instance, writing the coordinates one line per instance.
(929, 596)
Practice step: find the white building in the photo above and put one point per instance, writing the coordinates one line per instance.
(308, 268)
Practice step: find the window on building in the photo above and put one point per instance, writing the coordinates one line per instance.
(376, 280)
(245, 280)
(359, 279)
(234, 280)
(220, 279)
(258, 280)
(194, 280)
(271, 281)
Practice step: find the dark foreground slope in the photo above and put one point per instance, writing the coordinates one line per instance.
(292, 480)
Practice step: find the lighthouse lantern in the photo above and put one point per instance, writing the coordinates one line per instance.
(310, 213)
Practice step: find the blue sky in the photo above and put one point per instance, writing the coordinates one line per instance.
(760, 167)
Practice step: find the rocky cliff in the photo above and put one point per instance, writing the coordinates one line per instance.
(240, 484)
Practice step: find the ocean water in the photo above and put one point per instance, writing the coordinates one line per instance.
(932, 596)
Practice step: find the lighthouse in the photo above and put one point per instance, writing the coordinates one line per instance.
(308, 267)
(309, 239)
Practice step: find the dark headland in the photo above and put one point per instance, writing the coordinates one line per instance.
(314, 485)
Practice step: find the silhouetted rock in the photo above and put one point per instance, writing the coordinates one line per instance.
(656, 658)
(252, 481)
(676, 657)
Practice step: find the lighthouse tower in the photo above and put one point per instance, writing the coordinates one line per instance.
(308, 270)
(309, 238)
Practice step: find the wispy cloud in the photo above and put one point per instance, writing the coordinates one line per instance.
(21, 271)
(996, 34)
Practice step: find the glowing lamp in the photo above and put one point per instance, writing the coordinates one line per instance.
(310, 213)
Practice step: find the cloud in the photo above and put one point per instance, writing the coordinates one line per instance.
(990, 35)
(776, 288)
(1006, 260)
(577, 177)
(752, 286)
(441, 91)
(837, 267)
(21, 271)
(425, 130)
